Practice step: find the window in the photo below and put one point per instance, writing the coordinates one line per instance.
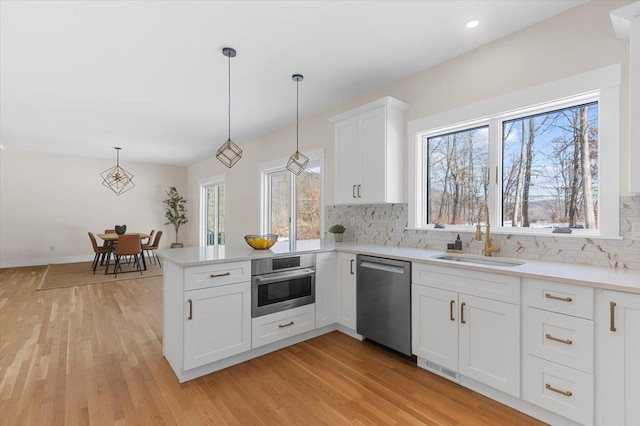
(212, 211)
(536, 164)
(292, 205)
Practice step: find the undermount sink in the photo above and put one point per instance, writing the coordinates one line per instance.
(479, 260)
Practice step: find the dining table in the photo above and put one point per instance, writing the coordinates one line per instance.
(111, 238)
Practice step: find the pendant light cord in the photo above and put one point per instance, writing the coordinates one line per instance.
(297, 108)
(229, 104)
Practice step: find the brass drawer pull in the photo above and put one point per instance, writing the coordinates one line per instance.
(353, 191)
(359, 191)
(286, 325)
(226, 274)
(557, 339)
(564, 299)
(451, 310)
(351, 267)
(462, 321)
(612, 320)
(190, 310)
(561, 392)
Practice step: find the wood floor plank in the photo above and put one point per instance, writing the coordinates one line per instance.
(92, 355)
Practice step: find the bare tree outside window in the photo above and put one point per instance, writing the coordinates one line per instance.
(457, 176)
(550, 169)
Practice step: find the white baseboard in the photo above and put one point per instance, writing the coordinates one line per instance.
(37, 262)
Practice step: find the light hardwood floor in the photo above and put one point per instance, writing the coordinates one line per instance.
(93, 355)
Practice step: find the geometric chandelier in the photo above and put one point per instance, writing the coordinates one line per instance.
(298, 161)
(229, 153)
(116, 178)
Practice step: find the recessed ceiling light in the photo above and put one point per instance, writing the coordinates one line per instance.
(472, 24)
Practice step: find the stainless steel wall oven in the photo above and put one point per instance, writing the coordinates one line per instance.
(282, 283)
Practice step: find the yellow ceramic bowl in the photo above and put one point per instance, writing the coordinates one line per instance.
(261, 242)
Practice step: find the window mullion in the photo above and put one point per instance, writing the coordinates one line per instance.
(293, 222)
(495, 172)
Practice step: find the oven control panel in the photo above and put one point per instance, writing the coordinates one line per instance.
(285, 263)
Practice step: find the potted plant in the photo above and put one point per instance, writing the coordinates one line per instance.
(337, 230)
(176, 212)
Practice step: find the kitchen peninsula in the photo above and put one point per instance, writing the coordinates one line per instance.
(208, 324)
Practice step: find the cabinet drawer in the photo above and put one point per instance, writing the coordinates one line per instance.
(196, 277)
(558, 297)
(280, 325)
(504, 288)
(560, 389)
(561, 338)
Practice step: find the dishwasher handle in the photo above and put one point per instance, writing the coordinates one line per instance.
(388, 265)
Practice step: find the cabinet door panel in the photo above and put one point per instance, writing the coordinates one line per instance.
(621, 353)
(326, 289)
(434, 332)
(347, 290)
(347, 154)
(371, 138)
(490, 342)
(217, 323)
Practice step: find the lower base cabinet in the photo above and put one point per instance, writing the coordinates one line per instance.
(346, 282)
(281, 325)
(217, 323)
(458, 333)
(620, 331)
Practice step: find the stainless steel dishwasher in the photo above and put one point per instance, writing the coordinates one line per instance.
(384, 302)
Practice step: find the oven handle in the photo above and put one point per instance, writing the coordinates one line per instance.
(283, 276)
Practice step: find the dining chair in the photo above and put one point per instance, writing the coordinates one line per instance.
(98, 250)
(150, 248)
(147, 241)
(128, 245)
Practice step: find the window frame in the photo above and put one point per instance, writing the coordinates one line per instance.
(216, 180)
(316, 158)
(602, 85)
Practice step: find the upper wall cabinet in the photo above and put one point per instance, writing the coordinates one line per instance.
(369, 153)
(626, 22)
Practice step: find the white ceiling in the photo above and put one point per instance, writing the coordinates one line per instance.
(80, 77)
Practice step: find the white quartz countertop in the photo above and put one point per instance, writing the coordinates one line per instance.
(607, 278)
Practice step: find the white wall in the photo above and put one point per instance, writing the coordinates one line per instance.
(579, 40)
(49, 202)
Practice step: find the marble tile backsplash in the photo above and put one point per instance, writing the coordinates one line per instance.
(386, 224)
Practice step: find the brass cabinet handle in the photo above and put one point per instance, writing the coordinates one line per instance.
(359, 191)
(286, 325)
(563, 299)
(190, 310)
(462, 321)
(561, 392)
(451, 310)
(612, 319)
(353, 191)
(226, 274)
(351, 267)
(557, 339)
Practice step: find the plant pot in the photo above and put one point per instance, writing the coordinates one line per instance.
(120, 229)
(338, 237)
(177, 245)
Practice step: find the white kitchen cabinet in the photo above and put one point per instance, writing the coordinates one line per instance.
(326, 289)
(560, 346)
(620, 345)
(435, 327)
(369, 153)
(281, 325)
(471, 335)
(346, 281)
(217, 323)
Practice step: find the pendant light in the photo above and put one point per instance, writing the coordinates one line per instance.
(229, 153)
(116, 178)
(297, 162)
